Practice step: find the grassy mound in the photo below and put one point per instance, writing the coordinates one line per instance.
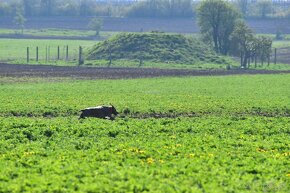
(157, 47)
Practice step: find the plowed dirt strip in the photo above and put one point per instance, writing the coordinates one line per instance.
(14, 70)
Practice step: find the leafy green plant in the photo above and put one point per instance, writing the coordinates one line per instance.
(199, 134)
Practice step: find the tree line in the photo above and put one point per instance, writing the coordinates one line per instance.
(47, 8)
(147, 8)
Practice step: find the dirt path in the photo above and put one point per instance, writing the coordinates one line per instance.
(16, 70)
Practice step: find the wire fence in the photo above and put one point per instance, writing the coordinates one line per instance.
(51, 54)
(75, 55)
(282, 55)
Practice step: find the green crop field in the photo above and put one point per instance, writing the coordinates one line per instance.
(213, 134)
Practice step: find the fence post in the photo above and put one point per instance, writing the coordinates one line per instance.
(45, 53)
(66, 56)
(275, 56)
(81, 61)
(27, 55)
(36, 53)
(57, 52)
(48, 53)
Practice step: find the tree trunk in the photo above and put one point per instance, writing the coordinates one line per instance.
(245, 61)
(215, 40)
(255, 61)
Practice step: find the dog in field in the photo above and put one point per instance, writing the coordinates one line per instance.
(102, 112)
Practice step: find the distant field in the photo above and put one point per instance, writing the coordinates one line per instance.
(49, 32)
(55, 33)
(218, 134)
(281, 44)
(15, 49)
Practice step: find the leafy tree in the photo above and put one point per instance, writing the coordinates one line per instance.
(30, 7)
(86, 7)
(162, 8)
(150, 8)
(264, 48)
(27, 7)
(178, 8)
(96, 24)
(243, 6)
(47, 7)
(264, 7)
(250, 46)
(19, 20)
(216, 19)
(66, 7)
(4, 9)
(244, 38)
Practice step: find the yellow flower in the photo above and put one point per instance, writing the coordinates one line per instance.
(178, 145)
(150, 160)
(286, 154)
(191, 155)
(288, 175)
(141, 151)
(261, 150)
(29, 153)
(161, 161)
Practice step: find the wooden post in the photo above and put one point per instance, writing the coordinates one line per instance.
(268, 60)
(81, 61)
(66, 55)
(46, 54)
(140, 62)
(57, 52)
(27, 55)
(275, 56)
(36, 53)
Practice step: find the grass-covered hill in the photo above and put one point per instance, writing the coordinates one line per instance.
(159, 47)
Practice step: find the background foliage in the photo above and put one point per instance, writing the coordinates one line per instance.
(148, 8)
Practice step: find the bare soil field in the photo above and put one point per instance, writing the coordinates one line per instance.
(179, 25)
(14, 70)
